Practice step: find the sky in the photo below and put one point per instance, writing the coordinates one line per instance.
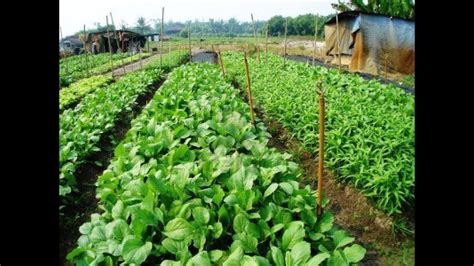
(74, 14)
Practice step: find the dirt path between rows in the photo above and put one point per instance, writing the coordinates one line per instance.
(118, 71)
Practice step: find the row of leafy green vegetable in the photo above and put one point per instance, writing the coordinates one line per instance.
(369, 126)
(82, 127)
(74, 68)
(77, 90)
(194, 183)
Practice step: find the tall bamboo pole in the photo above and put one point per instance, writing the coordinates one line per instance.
(255, 35)
(161, 36)
(110, 46)
(249, 91)
(315, 36)
(117, 41)
(266, 44)
(189, 41)
(286, 30)
(337, 42)
(221, 62)
(321, 148)
(85, 51)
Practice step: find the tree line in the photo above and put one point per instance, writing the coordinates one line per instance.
(299, 25)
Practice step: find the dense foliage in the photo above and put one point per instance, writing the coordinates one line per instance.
(194, 183)
(369, 126)
(82, 127)
(77, 90)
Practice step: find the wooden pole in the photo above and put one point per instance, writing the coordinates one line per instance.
(220, 62)
(117, 41)
(148, 45)
(337, 42)
(161, 35)
(140, 53)
(321, 148)
(266, 44)
(315, 36)
(85, 51)
(110, 46)
(284, 53)
(249, 91)
(189, 41)
(255, 35)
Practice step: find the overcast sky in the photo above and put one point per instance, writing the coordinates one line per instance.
(74, 14)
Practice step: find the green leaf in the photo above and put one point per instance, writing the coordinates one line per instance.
(217, 230)
(117, 210)
(247, 242)
(318, 259)
(170, 263)
(325, 223)
(277, 256)
(216, 254)
(270, 190)
(341, 239)
(201, 215)
(201, 259)
(276, 228)
(240, 223)
(234, 258)
(301, 252)
(292, 235)
(86, 228)
(74, 253)
(174, 246)
(354, 253)
(249, 261)
(134, 251)
(336, 259)
(178, 229)
(287, 187)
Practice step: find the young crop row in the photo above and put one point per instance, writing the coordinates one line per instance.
(194, 183)
(369, 126)
(77, 90)
(82, 127)
(72, 69)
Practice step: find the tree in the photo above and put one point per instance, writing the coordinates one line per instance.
(142, 26)
(396, 8)
(276, 25)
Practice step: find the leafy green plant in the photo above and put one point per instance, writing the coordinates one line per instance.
(194, 183)
(76, 91)
(369, 126)
(82, 127)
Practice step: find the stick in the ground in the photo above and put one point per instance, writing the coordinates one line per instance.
(255, 35)
(266, 44)
(140, 52)
(189, 41)
(110, 46)
(87, 54)
(315, 36)
(386, 59)
(161, 35)
(221, 62)
(284, 52)
(249, 91)
(337, 42)
(117, 41)
(321, 147)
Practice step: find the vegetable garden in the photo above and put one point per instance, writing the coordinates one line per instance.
(194, 182)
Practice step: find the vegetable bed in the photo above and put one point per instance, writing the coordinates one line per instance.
(82, 127)
(194, 183)
(369, 126)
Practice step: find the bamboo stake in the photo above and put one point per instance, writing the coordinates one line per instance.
(110, 46)
(255, 35)
(266, 44)
(221, 63)
(321, 147)
(117, 41)
(249, 91)
(284, 53)
(85, 51)
(337, 42)
(161, 36)
(315, 36)
(189, 41)
(140, 53)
